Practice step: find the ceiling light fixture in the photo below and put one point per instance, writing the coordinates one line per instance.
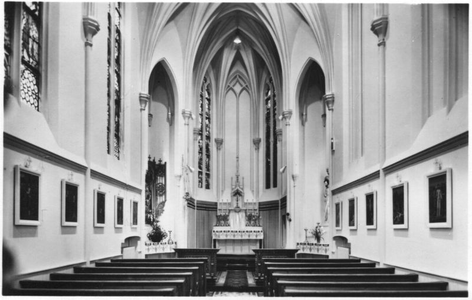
(237, 40)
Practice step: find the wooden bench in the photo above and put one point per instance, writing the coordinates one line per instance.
(272, 287)
(149, 264)
(129, 276)
(312, 285)
(160, 260)
(310, 270)
(196, 275)
(156, 292)
(179, 284)
(309, 262)
(293, 292)
(315, 260)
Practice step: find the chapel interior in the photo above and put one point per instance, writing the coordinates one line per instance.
(245, 149)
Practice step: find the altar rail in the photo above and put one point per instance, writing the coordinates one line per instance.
(313, 248)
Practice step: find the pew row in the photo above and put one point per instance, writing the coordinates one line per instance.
(396, 286)
(145, 263)
(294, 292)
(272, 287)
(196, 275)
(156, 292)
(187, 276)
(183, 289)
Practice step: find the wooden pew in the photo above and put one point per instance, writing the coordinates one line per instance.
(321, 268)
(312, 285)
(156, 292)
(294, 292)
(272, 287)
(196, 277)
(315, 260)
(310, 270)
(148, 264)
(266, 262)
(130, 276)
(179, 284)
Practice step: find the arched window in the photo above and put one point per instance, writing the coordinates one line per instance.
(204, 136)
(114, 80)
(270, 137)
(27, 63)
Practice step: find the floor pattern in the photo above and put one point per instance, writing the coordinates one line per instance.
(234, 294)
(236, 279)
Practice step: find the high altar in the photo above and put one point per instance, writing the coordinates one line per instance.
(238, 229)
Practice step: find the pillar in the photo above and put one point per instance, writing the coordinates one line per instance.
(91, 28)
(328, 100)
(291, 181)
(379, 28)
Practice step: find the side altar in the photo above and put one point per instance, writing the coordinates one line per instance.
(238, 227)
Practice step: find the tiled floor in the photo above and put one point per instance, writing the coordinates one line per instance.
(234, 294)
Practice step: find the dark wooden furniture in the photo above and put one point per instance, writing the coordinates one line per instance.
(269, 253)
(208, 253)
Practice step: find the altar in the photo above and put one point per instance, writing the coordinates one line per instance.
(238, 229)
(237, 238)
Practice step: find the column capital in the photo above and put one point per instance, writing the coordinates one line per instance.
(143, 100)
(91, 28)
(329, 100)
(287, 114)
(379, 28)
(257, 143)
(278, 134)
(187, 114)
(219, 143)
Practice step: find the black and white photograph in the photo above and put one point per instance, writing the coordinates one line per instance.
(27, 197)
(371, 210)
(99, 209)
(70, 203)
(352, 214)
(236, 132)
(400, 206)
(119, 202)
(440, 199)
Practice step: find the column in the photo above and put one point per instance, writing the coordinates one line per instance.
(91, 28)
(144, 100)
(379, 28)
(281, 181)
(219, 173)
(330, 148)
(291, 181)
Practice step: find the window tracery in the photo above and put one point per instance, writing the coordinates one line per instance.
(114, 60)
(204, 136)
(270, 121)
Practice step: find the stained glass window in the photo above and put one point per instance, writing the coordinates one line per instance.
(204, 136)
(30, 53)
(7, 44)
(270, 118)
(114, 80)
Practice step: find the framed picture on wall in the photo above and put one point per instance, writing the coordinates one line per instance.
(27, 196)
(70, 202)
(371, 210)
(400, 206)
(119, 203)
(134, 213)
(440, 199)
(352, 220)
(338, 207)
(99, 208)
